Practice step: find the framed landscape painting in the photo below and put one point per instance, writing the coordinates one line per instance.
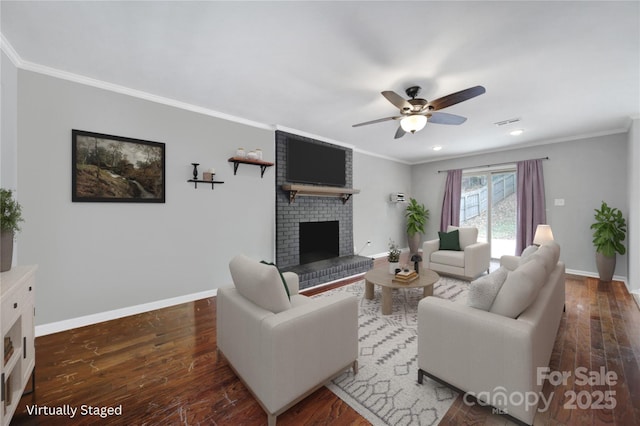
(108, 168)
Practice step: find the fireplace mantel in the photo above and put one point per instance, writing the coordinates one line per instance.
(318, 191)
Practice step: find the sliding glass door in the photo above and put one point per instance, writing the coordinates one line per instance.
(488, 202)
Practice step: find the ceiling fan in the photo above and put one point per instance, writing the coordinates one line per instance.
(416, 112)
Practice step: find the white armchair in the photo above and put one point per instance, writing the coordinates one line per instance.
(283, 348)
(472, 259)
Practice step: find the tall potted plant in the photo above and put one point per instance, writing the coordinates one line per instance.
(609, 231)
(417, 216)
(10, 218)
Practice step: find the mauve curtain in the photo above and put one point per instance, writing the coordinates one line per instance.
(530, 202)
(451, 202)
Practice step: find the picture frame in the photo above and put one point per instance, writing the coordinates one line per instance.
(116, 169)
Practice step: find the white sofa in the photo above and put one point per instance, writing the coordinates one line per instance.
(283, 348)
(472, 259)
(487, 354)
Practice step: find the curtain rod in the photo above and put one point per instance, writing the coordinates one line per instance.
(496, 164)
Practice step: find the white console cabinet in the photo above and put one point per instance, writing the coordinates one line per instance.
(17, 310)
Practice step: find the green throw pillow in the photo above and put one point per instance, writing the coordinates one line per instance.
(286, 287)
(449, 240)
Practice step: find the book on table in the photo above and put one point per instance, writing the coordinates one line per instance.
(405, 277)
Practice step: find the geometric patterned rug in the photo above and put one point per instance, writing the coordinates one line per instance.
(386, 391)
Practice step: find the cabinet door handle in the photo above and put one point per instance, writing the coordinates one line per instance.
(2, 387)
(24, 347)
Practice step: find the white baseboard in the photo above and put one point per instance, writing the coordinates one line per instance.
(595, 275)
(55, 327)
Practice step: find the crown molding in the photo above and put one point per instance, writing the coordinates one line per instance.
(8, 49)
(528, 145)
(88, 81)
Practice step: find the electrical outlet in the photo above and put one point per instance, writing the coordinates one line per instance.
(558, 202)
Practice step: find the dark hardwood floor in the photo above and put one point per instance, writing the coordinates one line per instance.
(161, 368)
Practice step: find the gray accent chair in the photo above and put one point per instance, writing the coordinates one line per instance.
(283, 348)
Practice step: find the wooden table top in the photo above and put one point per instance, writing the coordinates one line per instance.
(382, 277)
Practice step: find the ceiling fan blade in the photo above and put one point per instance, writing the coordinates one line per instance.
(399, 133)
(379, 120)
(444, 118)
(455, 98)
(400, 102)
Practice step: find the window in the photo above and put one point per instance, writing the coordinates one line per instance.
(488, 202)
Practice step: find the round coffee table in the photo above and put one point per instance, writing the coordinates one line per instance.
(382, 277)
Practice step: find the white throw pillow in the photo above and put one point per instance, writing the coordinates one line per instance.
(528, 252)
(260, 283)
(520, 289)
(483, 291)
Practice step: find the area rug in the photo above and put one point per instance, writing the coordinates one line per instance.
(386, 391)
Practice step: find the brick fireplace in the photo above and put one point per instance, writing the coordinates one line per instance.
(315, 268)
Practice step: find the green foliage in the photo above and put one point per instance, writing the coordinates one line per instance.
(609, 231)
(11, 211)
(417, 216)
(394, 252)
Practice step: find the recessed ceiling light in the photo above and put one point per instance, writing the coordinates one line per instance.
(517, 132)
(437, 148)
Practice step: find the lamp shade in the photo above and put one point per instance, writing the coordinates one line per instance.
(543, 234)
(413, 123)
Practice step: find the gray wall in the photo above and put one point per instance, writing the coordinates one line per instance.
(9, 121)
(633, 170)
(375, 217)
(9, 128)
(583, 172)
(96, 257)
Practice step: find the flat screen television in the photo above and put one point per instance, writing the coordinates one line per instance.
(309, 162)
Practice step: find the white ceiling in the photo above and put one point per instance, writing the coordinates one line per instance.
(566, 69)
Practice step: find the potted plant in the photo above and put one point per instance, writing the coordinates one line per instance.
(10, 218)
(609, 231)
(393, 257)
(417, 216)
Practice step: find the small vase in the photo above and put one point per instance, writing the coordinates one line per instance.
(393, 266)
(606, 266)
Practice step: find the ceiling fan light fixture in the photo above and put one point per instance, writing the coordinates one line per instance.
(413, 123)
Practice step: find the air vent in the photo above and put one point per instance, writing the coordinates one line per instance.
(505, 122)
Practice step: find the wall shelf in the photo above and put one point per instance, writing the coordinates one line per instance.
(239, 160)
(197, 181)
(318, 191)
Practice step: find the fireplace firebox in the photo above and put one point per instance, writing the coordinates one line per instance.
(319, 241)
